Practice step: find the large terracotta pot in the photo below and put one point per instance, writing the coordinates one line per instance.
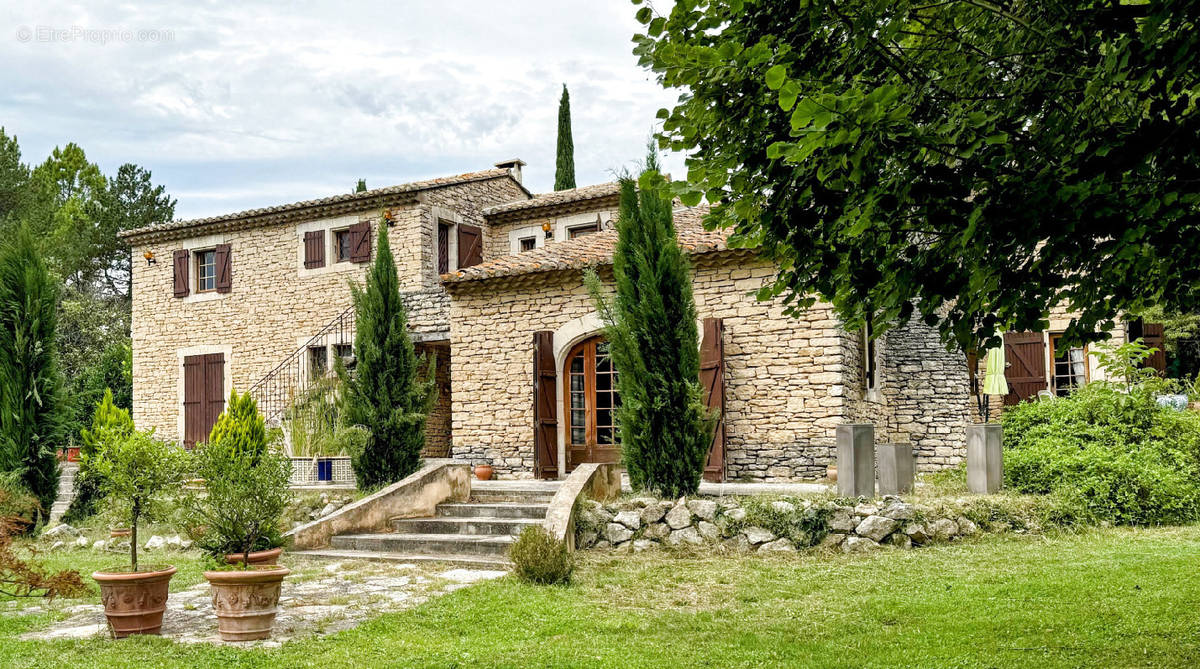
(134, 602)
(246, 601)
(267, 557)
(483, 472)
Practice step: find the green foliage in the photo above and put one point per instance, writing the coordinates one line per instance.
(541, 559)
(245, 493)
(971, 163)
(18, 506)
(361, 186)
(14, 178)
(391, 388)
(650, 325)
(1125, 362)
(240, 426)
(805, 524)
(313, 420)
(1107, 455)
(32, 408)
(110, 424)
(134, 471)
(564, 171)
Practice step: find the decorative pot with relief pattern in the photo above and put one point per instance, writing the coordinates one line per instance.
(134, 602)
(246, 600)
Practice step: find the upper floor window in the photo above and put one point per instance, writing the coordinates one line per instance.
(581, 230)
(342, 245)
(206, 270)
(527, 243)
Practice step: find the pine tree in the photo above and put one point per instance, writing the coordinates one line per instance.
(391, 388)
(650, 325)
(564, 173)
(32, 407)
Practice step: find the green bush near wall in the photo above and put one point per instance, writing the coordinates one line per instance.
(1109, 455)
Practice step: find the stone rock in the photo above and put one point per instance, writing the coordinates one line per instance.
(657, 531)
(602, 544)
(966, 527)
(654, 512)
(99, 545)
(602, 516)
(586, 539)
(842, 520)
(709, 531)
(854, 544)
(58, 545)
(122, 546)
(186, 544)
(175, 541)
(758, 535)
(916, 532)
(781, 545)
(679, 517)
(328, 509)
(900, 540)
(155, 542)
(875, 528)
(63, 530)
(705, 509)
(82, 542)
(865, 509)
(942, 529)
(643, 502)
(736, 514)
(899, 511)
(832, 540)
(783, 507)
(616, 533)
(687, 535)
(640, 545)
(630, 519)
(739, 544)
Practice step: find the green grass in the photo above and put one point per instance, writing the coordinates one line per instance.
(1102, 598)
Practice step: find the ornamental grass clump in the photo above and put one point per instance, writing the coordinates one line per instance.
(540, 559)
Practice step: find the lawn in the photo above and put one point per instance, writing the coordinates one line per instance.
(1103, 598)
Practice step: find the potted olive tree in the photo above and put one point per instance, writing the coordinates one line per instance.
(133, 471)
(243, 499)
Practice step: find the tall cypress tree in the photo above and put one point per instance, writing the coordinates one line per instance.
(651, 328)
(32, 407)
(391, 388)
(564, 173)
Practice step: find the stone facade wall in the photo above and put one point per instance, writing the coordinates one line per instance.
(274, 304)
(785, 388)
(437, 426)
(499, 243)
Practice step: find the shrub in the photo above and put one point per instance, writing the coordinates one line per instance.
(240, 427)
(21, 509)
(803, 526)
(1107, 455)
(21, 578)
(540, 559)
(109, 423)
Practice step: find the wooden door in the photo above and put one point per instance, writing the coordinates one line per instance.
(712, 382)
(1025, 355)
(590, 402)
(203, 395)
(545, 405)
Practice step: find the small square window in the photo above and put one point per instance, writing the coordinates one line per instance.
(527, 243)
(582, 230)
(341, 240)
(317, 363)
(343, 351)
(206, 271)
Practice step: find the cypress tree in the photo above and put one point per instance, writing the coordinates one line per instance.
(564, 173)
(391, 388)
(650, 325)
(361, 186)
(32, 405)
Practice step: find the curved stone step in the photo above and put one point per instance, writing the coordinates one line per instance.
(475, 525)
(491, 510)
(425, 544)
(473, 561)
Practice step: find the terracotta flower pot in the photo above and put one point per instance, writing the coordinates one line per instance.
(246, 601)
(119, 532)
(483, 472)
(831, 473)
(267, 557)
(134, 602)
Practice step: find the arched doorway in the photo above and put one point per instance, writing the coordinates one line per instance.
(590, 400)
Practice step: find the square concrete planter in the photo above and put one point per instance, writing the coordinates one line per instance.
(894, 467)
(985, 458)
(856, 460)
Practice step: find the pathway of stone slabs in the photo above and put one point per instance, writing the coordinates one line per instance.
(317, 598)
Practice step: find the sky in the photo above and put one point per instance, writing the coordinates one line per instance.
(235, 105)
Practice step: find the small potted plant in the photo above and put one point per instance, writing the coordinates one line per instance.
(245, 494)
(133, 472)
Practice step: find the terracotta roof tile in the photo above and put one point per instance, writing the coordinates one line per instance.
(560, 197)
(590, 250)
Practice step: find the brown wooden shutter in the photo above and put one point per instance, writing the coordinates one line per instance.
(1152, 337)
(470, 245)
(214, 390)
(203, 396)
(180, 262)
(545, 406)
(314, 249)
(1025, 357)
(712, 382)
(223, 259)
(360, 242)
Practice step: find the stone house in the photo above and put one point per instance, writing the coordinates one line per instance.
(492, 276)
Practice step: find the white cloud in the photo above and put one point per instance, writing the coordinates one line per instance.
(258, 103)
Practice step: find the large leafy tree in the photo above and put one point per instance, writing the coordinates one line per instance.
(650, 324)
(564, 171)
(391, 388)
(971, 163)
(130, 201)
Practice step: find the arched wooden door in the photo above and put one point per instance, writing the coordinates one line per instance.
(590, 400)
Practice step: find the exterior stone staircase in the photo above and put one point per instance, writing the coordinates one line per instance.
(66, 491)
(477, 533)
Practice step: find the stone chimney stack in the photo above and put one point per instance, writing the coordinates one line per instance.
(513, 166)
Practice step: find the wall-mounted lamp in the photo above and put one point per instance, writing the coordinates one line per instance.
(150, 259)
(548, 229)
(388, 217)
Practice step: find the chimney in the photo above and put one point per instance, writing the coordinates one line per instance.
(513, 166)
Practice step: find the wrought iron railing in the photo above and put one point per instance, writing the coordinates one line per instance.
(278, 390)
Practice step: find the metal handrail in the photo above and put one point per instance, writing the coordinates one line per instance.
(277, 390)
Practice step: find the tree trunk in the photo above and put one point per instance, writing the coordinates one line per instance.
(137, 511)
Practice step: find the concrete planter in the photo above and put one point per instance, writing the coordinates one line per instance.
(246, 601)
(322, 470)
(134, 602)
(985, 458)
(856, 460)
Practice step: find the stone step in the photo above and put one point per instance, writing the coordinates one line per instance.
(471, 526)
(426, 544)
(518, 495)
(472, 561)
(497, 510)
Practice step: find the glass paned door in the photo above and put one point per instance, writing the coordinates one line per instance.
(591, 400)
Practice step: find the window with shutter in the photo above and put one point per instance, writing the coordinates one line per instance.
(360, 242)
(314, 249)
(223, 260)
(470, 245)
(180, 263)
